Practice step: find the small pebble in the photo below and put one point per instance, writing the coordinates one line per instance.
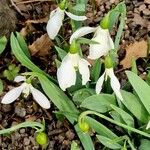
(26, 141)
(147, 1)
(21, 112)
(22, 131)
(146, 12)
(142, 7)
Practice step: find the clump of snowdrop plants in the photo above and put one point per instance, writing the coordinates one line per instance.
(79, 88)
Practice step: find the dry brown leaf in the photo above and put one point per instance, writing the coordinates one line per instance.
(41, 46)
(135, 50)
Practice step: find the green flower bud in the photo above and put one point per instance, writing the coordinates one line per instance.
(108, 62)
(84, 126)
(41, 138)
(74, 47)
(62, 5)
(104, 24)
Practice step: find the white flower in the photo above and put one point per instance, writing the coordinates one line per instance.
(66, 73)
(56, 19)
(25, 88)
(113, 81)
(101, 36)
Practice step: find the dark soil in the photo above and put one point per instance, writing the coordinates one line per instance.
(60, 134)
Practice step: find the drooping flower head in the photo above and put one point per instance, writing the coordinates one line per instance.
(109, 72)
(66, 73)
(101, 36)
(26, 88)
(56, 19)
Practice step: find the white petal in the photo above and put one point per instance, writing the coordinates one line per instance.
(75, 17)
(55, 22)
(81, 32)
(53, 13)
(40, 98)
(84, 70)
(12, 95)
(114, 83)
(99, 83)
(106, 44)
(66, 73)
(148, 125)
(20, 78)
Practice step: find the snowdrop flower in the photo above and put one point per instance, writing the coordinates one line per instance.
(113, 79)
(102, 36)
(25, 88)
(66, 73)
(56, 20)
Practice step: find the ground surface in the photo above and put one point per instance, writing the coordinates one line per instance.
(29, 20)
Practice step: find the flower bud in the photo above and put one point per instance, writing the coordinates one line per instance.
(41, 138)
(84, 126)
(108, 62)
(105, 22)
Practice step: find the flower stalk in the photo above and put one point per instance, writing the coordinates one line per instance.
(86, 113)
(36, 125)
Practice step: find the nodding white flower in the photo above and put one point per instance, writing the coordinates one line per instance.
(56, 20)
(25, 88)
(113, 81)
(102, 36)
(66, 73)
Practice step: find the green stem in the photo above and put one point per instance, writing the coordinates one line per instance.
(36, 125)
(84, 114)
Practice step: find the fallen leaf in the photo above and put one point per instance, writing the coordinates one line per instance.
(41, 46)
(135, 50)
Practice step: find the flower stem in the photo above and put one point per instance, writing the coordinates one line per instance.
(84, 114)
(36, 125)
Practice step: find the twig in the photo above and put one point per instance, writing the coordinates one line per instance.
(32, 1)
(17, 9)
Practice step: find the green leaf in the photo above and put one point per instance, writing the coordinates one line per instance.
(134, 66)
(23, 44)
(23, 59)
(1, 86)
(141, 88)
(128, 119)
(134, 105)
(85, 139)
(80, 95)
(100, 103)
(108, 142)
(145, 144)
(61, 53)
(95, 70)
(74, 146)
(114, 15)
(82, 40)
(79, 7)
(3, 43)
(122, 9)
(100, 128)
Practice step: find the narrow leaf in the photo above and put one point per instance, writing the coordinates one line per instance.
(100, 103)
(141, 88)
